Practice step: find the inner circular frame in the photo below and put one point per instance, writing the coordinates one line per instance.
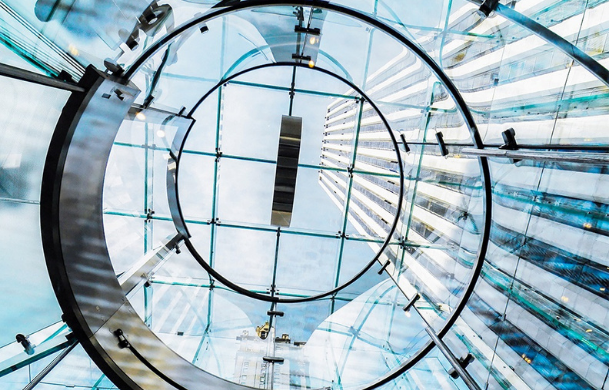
(178, 144)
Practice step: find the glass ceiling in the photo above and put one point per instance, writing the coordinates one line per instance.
(408, 222)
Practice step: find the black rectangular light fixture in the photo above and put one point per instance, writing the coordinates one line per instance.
(296, 56)
(273, 359)
(286, 170)
(305, 30)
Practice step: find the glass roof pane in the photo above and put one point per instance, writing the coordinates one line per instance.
(251, 121)
(28, 292)
(203, 136)
(298, 255)
(355, 256)
(195, 181)
(255, 247)
(245, 191)
(27, 126)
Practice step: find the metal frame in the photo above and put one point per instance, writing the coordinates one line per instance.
(176, 211)
(88, 291)
(571, 50)
(446, 81)
(26, 75)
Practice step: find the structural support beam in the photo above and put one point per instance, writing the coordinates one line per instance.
(572, 157)
(141, 271)
(554, 39)
(38, 378)
(43, 350)
(25, 75)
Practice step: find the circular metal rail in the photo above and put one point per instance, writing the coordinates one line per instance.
(72, 220)
(176, 209)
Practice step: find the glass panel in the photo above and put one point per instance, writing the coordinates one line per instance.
(28, 120)
(251, 121)
(297, 255)
(538, 315)
(24, 292)
(254, 247)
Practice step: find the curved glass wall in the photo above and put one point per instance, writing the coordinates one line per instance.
(537, 315)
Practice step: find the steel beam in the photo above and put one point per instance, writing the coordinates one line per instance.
(571, 157)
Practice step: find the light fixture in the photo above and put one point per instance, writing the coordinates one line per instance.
(311, 64)
(141, 116)
(160, 133)
(73, 50)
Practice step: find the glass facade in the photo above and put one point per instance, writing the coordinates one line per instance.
(415, 213)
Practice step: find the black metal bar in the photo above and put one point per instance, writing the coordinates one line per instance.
(592, 148)
(554, 39)
(273, 359)
(453, 91)
(469, 381)
(26, 75)
(38, 378)
(572, 157)
(139, 107)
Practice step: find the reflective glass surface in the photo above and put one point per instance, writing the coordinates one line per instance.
(538, 316)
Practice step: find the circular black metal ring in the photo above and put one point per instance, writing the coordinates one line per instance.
(452, 90)
(177, 212)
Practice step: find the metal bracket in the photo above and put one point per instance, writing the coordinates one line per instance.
(487, 8)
